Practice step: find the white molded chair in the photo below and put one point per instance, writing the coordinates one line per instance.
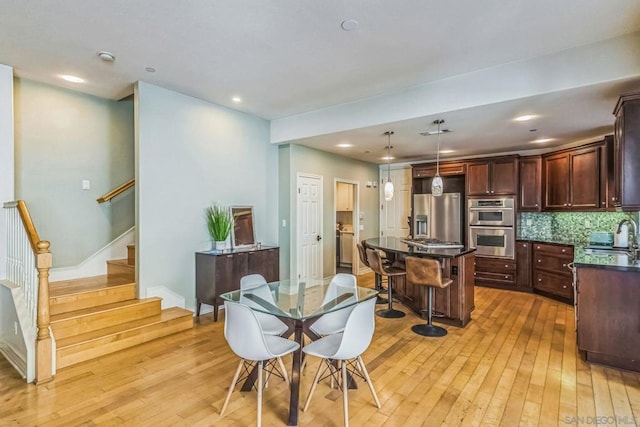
(245, 337)
(334, 322)
(346, 349)
(257, 285)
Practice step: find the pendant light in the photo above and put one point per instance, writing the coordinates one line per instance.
(436, 182)
(388, 186)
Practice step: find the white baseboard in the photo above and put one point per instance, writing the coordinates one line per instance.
(169, 298)
(16, 360)
(96, 264)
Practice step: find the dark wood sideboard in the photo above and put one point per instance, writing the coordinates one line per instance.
(217, 273)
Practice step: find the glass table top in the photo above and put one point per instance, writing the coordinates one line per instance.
(301, 301)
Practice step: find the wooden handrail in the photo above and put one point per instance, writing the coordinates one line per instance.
(32, 234)
(116, 191)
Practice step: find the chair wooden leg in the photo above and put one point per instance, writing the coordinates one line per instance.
(284, 370)
(313, 387)
(231, 387)
(364, 371)
(345, 399)
(259, 424)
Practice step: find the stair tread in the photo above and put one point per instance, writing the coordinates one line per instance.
(165, 315)
(101, 308)
(87, 284)
(122, 262)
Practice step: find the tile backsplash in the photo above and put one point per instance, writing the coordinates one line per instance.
(569, 227)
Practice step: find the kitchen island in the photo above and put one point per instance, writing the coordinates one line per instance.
(453, 304)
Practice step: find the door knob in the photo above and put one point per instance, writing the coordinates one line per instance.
(318, 238)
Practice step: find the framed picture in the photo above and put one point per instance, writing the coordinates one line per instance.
(243, 233)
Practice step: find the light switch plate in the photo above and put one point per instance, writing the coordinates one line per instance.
(86, 184)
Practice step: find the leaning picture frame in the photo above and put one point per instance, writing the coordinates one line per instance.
(243, 233)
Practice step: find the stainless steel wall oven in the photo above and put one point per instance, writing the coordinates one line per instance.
(491, 226)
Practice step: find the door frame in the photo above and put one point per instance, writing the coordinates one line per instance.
(355, 220)
(298, 245)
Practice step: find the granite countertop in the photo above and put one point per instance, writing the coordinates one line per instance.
(395, 244)
(582, 259)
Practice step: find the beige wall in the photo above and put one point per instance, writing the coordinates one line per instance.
(331, 167)
(63, 137)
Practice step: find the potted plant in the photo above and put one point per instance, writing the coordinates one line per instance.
(219, 223)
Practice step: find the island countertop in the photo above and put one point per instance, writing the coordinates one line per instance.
(397, 245)
(455, 302)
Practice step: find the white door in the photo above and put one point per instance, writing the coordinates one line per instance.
(309, 228)
(394, 214)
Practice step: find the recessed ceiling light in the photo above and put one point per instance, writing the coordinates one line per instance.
(344, 145)
(349, 24)
(525, 118)
(70, 78)
(236, 99)
(150, 69)
(447, 151)
(542, 140)
(106, 56)
(387, 158)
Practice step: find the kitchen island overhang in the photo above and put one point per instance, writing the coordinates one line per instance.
(452, 305)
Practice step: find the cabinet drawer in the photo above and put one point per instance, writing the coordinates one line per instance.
(495, 265)
(554, 249)
(553, 284)
(496, 278)
(552, 262)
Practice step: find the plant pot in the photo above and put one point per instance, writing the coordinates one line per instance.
(220, 246)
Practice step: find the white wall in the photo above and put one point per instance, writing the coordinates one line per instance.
(6, 155)
(189, 154)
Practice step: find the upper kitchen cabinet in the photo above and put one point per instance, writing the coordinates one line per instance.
(344, 198)
(572, 179)
(498, 176)
(530, 195)
(446, 169)
(626, 157)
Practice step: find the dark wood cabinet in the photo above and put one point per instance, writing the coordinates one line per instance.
(498, 176)
(217, 273)
(530, 194)
(551, 274)
(428, 170)
(572, 179)
(626, 161)
(607, 320)
(453, 304)
(495, 272)
(523, 265)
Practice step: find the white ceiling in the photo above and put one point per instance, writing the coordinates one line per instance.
(289, 59)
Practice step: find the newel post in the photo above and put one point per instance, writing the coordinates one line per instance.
(44, 356)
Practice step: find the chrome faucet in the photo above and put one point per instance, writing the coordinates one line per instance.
(634, 239)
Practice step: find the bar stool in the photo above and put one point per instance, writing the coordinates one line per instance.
(378, 280)
(427, 272)
(375, 263)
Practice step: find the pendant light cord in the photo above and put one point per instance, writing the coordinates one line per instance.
(438, 148)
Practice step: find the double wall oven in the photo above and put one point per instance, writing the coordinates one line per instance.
(491, 226)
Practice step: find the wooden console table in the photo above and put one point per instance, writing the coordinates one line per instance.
(217, 273)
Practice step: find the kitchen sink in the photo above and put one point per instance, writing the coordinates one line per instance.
(605, 251)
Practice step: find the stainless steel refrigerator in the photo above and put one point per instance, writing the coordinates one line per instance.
(437, 217)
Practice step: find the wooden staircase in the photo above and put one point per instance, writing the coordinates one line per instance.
(94, 316)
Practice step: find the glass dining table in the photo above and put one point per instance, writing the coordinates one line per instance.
(298, 305)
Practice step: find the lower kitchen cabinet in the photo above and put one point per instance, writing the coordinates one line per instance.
(495, 272)
(523, 265)
(217, 273)
(452, 305)
(608, 324)
(551, 273)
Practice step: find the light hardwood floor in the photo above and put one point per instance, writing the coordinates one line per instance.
(515, 364)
